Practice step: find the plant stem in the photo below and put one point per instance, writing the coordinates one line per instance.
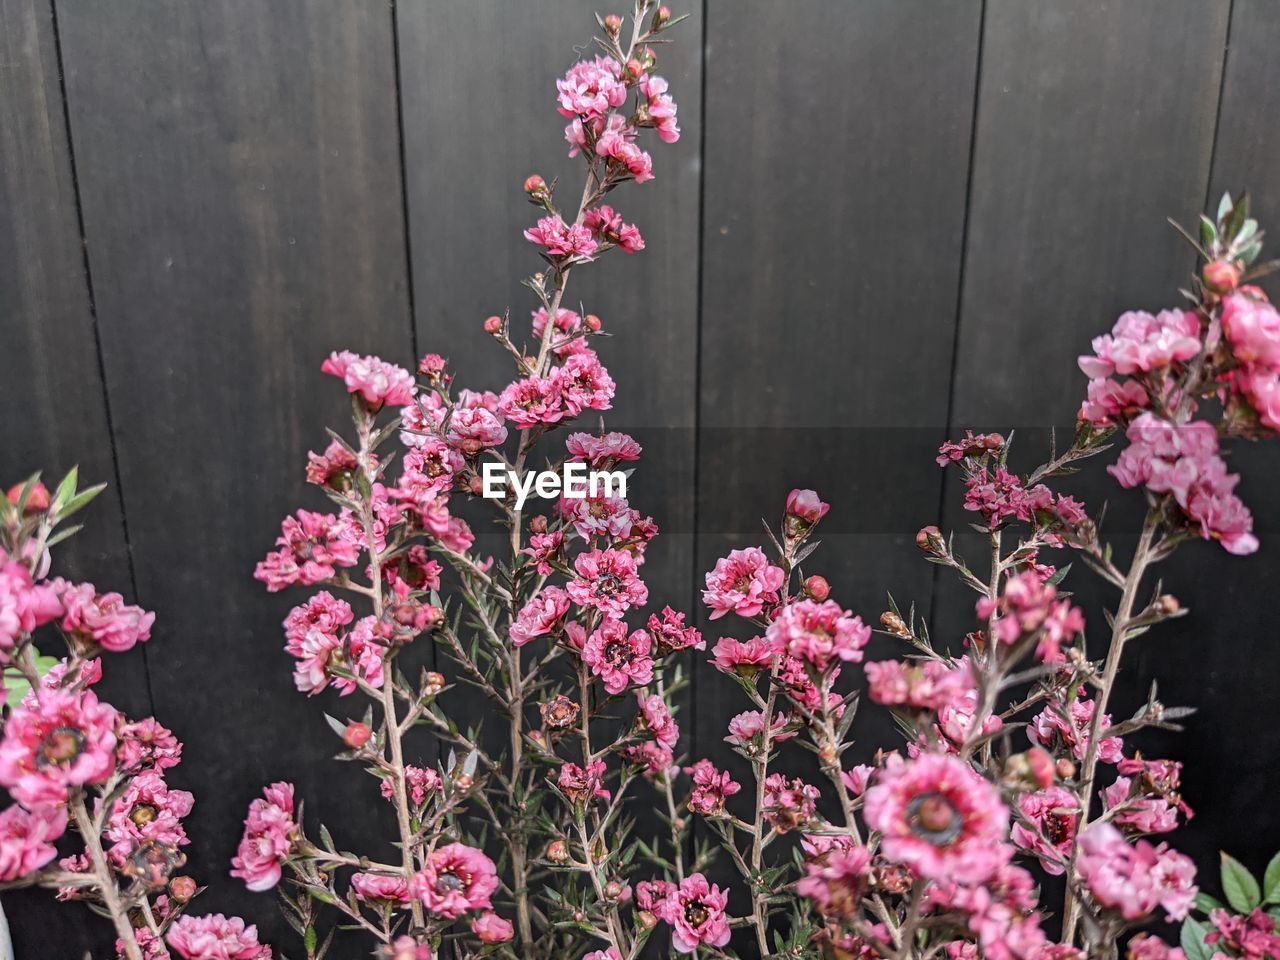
(759, 913)
(106, 882)
(1142, 556)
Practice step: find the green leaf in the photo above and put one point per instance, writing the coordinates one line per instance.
(17, 691)
(67, 488)
(1224, 205)
(1271, 881)
(1206, 903)
(1208, 233)
(1238, 884)
(1192, 940)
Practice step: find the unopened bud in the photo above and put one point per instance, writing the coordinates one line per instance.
(929, 539)
(1031, 770)
(662, 16)
(1066, 769)
(538, 524)
(592, 322)
(1167, 605)
(558, 851)
(646, 920)
(493, 326)
(356, 735)
(432, 683)
(893, 623)
(612, 24)
(182, 888)
(648, 58)
(463, 783)
(476, 486)
(1221, 276)
(612, 890)
(635, 69)
(37, 501)
(817, 587)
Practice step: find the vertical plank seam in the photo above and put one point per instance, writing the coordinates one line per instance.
(97, 333)
(1217, 112)
(955, 333)
(697, 380)
(404, 182)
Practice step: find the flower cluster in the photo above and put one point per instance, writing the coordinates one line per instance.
(67, 758)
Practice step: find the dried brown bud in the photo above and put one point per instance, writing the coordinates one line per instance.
(893, 623)
(558, 851)
(558, 713)
(538, 524)
(432, 683)
(1167, 605)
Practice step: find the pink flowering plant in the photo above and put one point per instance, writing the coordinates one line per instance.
(517, 844)
(91, 815)
(1014, 766)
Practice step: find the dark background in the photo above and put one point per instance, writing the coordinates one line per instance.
(897, 219)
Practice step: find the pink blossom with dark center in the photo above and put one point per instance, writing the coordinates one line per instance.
(598, 516)
(542, 615)
(608, 581)
(531, 402)
(836, 875)
(619, 659)
(561, 240)
(939, 818)
(420, 782)
(788, 803)
(66, 739)
(603, 451)
(333, 468)
(607, 226)
(472, 429)
(711, 787)
(146, 745)
(147, 810)
(670, 633)
(457, 879)
(818, 633)
(696, 912)
(545, 548)
(584, 384)
(1054, 814)
(582, 783)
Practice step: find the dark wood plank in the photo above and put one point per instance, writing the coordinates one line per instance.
(1221, 657)
(831, 252)
(1095, 123)
(49, 376)
(464, 171)
(239, 167)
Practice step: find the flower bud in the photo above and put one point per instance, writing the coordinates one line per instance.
(432, 683)
(646, 920)
(662, 17)
(356, 735)
(432, 365)
(37, 501)
(538, 524)
(1066, 769)
(806, 508)
(929, 539)
(1032, 770)
(612, 890)
(558, 851)
(1167, 605)
(476, 486)
(493, 326)
(1221, 276)
(182, 888)
(893, 623)
(463, 783)
(592, 322)
(817, 587)
(634, 69)
(612, 25)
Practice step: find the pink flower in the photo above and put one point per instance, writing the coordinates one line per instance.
(24, 605)
(609, 954)
(606, 225)
(584, 384)
(1252, 326)
(491, 928)
(313, 546)
(618, 144)
(531, 402)
(746, 659)
(956, 719)
(542, 615)
(711, 787)
(836, 875)
(806, 507)
(696, 912)
(657, 719)
(1053, 731)
(661, 108)
(377, 381)
(1054, 814)
(334, 468)
(1108, 402)
(656, 761)
(103, 619)
(145, 745)
(744, 582)
(788, 804)
(269, 832)
(617, 658)
(579, 783)
(604, 451)
(670, 634)
(216, 937)
(380, 886)
(456, 880)
(1140, 342)
(148, 810)
(1146, 947)
(818, 633)
(26, 839)
(608, 581)
(1253, 936)
(420, 782)
(920, 685)
(1134, 880)
(598, 516)
(1027, 606)
(405, 948)
(1138, 812)
(545, 548)
(591, 89)
(650, 893)
(67, 739)
(856, 780)
(472, 429)
(939, 818)
(561, 240)
(745, 730)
